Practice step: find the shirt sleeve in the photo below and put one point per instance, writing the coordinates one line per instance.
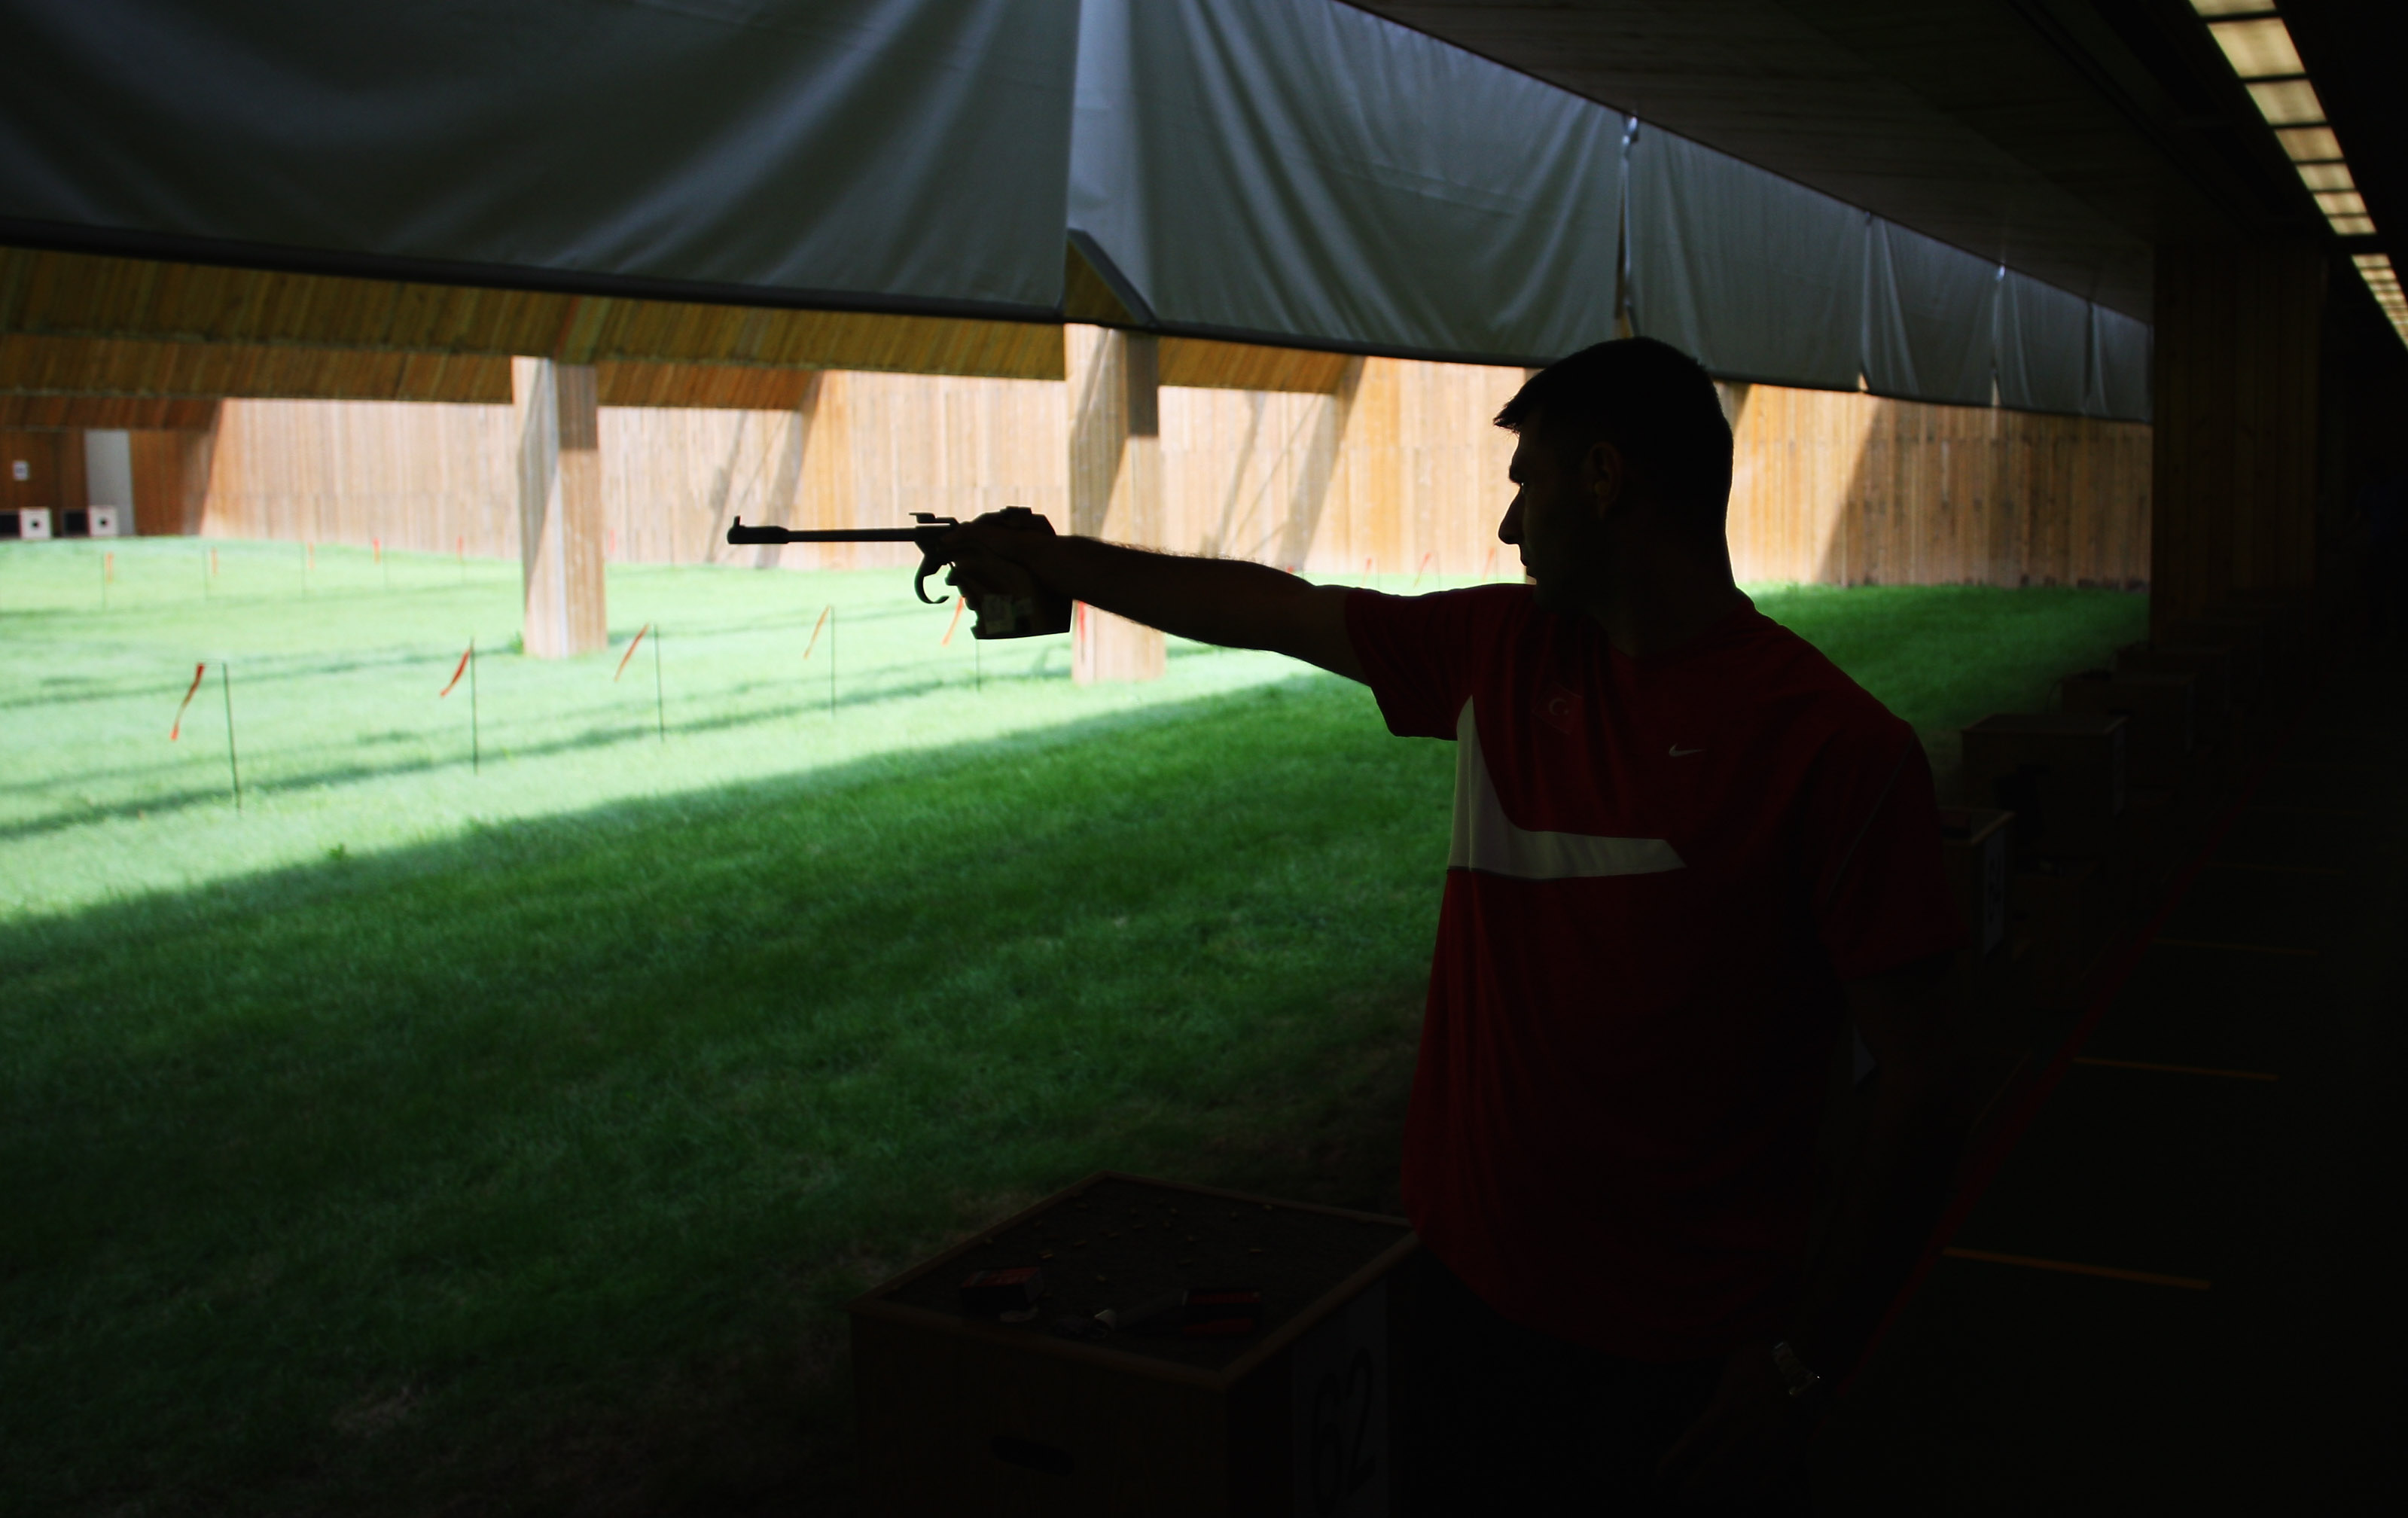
(1419, 652)
(1881, 897)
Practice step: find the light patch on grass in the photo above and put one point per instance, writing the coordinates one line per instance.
(345, 749)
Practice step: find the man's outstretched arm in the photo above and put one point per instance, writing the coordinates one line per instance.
(1225, 601)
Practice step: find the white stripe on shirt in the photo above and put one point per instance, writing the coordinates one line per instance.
(1485, 839)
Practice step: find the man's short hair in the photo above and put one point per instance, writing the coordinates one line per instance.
(1654, 404)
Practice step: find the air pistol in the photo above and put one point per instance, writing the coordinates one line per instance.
(997, 615)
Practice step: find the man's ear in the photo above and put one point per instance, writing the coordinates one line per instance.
(1605, 479)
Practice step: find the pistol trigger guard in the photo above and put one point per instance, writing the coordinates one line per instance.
(920, 582)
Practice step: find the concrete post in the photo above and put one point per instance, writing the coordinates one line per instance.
(560, 505)
(1115, 483)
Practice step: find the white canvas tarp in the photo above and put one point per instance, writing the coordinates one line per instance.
(1310, 172)
(898, 149)
(1760, 278)
(2118, 380)
(1296, 171)
(2043, 345)
(1929, 326)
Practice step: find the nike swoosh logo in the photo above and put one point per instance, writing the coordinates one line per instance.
(1679, 752)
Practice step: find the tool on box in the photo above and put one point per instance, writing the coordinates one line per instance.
(1190, 1312)
(995, 614)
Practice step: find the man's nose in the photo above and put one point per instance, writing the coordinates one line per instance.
(1510, 530)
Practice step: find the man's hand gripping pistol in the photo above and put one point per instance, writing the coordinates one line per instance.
(997, 613)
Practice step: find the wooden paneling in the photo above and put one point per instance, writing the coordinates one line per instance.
(673, 480)
(556, 422)
(1838, 489)
(1115, 395)
(2238, 330)
(48, 485)
(427, 477)
(1420, 484)
(1400, 467)
(862, 449)
(89, 295)
(125, 413)
(1246, 474)
(673, 331)
(1200, 363)
(54, 294)
(171, 480)
(725, 387)
(882, 446)
(36, 364)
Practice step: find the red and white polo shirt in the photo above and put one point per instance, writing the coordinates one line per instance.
(1663, 869)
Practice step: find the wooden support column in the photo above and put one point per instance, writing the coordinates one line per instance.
(560, 505)
(1115, 430)
(2232, 504)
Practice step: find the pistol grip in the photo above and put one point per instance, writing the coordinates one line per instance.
(1020, 616)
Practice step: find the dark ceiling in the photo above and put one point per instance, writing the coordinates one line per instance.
(2061, 137)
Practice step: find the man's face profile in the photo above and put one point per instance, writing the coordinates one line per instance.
(1555, 518)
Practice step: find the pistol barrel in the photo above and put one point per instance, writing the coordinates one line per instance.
(739, 533)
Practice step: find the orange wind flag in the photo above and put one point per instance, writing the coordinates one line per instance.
(457, 670)
(198, 670)
(630, 653)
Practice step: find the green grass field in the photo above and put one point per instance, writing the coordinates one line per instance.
(422, 1140)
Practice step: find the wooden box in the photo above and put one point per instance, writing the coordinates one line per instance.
(2211, 696)
(2245, 636)
(961, 1414)
(2158, 703)
(2062, 773)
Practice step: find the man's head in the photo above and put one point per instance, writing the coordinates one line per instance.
(1622, 447)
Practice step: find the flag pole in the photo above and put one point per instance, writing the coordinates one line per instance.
(225, 683)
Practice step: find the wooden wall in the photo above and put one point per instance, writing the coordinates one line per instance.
(171, 481)
(422, 476)
(93, 325)
(862, 449)
(1840, 489)
(171, 474)
(2239, 329)
(119, 412)
(1398, 467)
(54, 463)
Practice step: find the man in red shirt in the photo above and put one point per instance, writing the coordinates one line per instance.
(1687, 854)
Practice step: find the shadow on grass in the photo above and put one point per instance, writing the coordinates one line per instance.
(268, 669)
(527, 1170)
(500, 750)
(277, 669)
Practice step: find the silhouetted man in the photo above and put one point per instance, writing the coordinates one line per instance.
(1687, 851)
